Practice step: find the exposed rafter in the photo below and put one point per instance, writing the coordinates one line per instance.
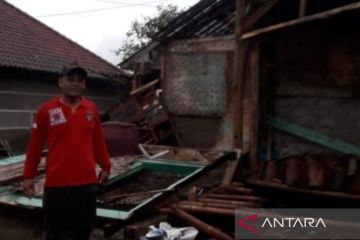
(307, 19)
(258, 13)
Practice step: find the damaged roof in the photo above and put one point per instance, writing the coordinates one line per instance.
(28, 44)
(207, 18)
(215, 18)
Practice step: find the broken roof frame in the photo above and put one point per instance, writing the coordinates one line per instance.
(214, 18)
(9, 197)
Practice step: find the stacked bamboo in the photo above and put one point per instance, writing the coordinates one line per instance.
(324, 171)
(221, 201)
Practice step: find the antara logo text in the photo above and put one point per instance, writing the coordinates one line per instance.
(249, 223)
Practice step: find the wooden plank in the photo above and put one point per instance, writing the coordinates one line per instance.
(254, 88)
(231, 169)
(145, 87)
(259, 13)
(314, 136)
(239, 81)
(303, 7)
(139, 56)
(210, 44)
(229, 173)
(307, 19)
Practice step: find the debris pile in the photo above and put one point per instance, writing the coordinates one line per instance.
(324, 171)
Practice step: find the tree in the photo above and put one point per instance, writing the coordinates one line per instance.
(140, 30)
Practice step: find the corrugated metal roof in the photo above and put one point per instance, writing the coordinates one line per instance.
(207, 18)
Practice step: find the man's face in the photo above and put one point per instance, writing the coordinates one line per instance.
(72, 85)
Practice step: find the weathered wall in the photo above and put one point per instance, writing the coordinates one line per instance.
(196, 83)
(21, 93)
(315, 72)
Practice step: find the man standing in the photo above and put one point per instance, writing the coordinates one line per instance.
(69, 124)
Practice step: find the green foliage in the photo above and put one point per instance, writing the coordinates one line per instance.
(140, 30)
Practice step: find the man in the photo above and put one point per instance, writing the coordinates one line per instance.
(70, 126)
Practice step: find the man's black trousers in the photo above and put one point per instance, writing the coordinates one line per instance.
(69, 212)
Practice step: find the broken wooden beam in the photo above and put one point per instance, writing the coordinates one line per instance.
(202, 226)
(307, 19)
(231, 169)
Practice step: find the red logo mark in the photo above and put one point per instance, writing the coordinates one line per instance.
(251, 218)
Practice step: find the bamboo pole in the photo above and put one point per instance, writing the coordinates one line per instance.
(234, 197)
(208, 204)
(228, 202)
(217, 204)
(210, 210)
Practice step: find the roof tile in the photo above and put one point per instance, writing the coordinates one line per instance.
(29, 44)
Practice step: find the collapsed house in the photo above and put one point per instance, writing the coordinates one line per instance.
(275, 80)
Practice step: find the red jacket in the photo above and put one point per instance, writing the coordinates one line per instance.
(75, 143)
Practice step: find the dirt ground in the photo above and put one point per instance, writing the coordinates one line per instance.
(26, 224)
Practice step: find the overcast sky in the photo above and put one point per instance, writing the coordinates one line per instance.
(102, 27)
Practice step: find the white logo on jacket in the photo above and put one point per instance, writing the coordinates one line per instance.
(89, 116)
(57, 116)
